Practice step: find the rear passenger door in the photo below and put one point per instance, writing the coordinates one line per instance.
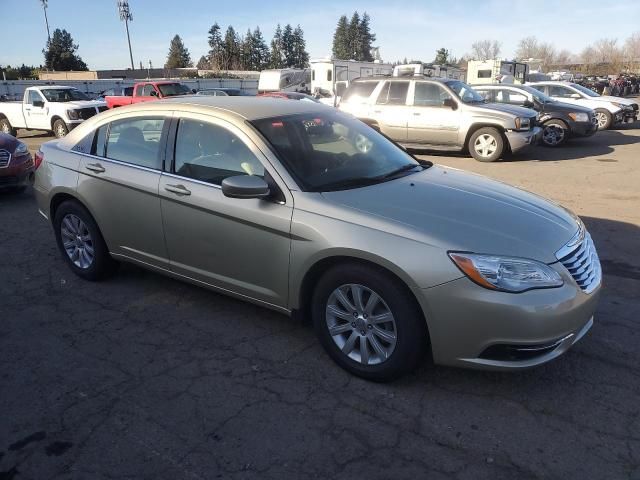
(118, 182)
(390, 110)
(238, 245)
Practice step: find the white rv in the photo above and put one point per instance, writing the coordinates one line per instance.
(429, 70)
(330, 78)
(496, 71)
(284, 80)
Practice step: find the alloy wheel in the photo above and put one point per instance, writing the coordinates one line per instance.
(61, 131)
(361, 324)
(77, 241)
(602, 119)
(553, 135)
(485, 145)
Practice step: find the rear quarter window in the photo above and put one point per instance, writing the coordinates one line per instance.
(359, 91)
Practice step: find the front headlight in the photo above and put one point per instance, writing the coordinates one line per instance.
(523, 123)
(72, 114)
(508, 274)
(21, 149)
(579, 117)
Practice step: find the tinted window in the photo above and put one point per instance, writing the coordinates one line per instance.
(393, 93)
(128, 91)
(329, 74)
(486, 94)
(484, 73)
(136, 141)
(430, 95)
(146, 91)
(211, 153)
(359, 91)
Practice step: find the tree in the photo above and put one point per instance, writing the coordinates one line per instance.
(203, 63)
(632, 49)
(60, 53)
(287, 46)
(178, 56)
(485, 49)
(300, 55)
(261, 60)
(341, 39)
(215, 47)
(247, 52)
(231, 50)
(442, 56)
(607, 51)
(366, 39)
(277, 50)
(355, 37)
(530, 47)
(588, 56)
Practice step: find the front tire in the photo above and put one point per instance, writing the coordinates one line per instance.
(60, 128)
(5, 127)
(486, 144)
(554, 133)
(604, 118)
(368, 322)
(81, 243)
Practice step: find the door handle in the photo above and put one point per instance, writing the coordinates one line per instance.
(177, 189)
(95, 167)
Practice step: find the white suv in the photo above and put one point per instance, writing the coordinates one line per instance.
(609, 110)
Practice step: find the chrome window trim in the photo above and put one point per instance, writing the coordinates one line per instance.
(188, 179)
(117, 162)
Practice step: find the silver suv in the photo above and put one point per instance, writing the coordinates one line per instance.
(442, 115)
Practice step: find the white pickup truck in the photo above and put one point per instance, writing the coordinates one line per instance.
(53, 108)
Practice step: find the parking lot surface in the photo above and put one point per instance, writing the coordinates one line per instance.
(144, 377)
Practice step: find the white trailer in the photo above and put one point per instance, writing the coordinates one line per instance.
(496, 71)
(284, 80)
(429, 70)
(330, 78)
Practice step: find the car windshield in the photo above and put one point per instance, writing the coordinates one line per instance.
(173, 89)
(332, 151)
(537, 94)
(585, 90)
(465, 92)
(63, 94)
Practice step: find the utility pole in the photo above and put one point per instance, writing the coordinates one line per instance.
(126, 17)
(46, 20)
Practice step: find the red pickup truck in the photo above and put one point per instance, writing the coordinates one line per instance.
(149, 91)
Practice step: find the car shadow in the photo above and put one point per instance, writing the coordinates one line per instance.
(33, 134)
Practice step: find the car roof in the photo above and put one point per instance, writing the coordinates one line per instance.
(382, 78)
(552, 82)
(249, 108)
(49, 87)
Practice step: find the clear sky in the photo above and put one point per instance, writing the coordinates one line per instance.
(412, 29)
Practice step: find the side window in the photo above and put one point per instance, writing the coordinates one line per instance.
(559, 91)
(139, 90)
(329, 75)
(515, 98)
(128, 91)
(210, 153)
(100, 141)
(393, 93)
(146, 91)
(136, 141)
(487, 95)
(34, 96)
(484, 73)
(429, 95)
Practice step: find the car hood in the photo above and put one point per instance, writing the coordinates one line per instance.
(86, 103)
(456, 210)
(512, 109)
(565, 108)
(623, 101)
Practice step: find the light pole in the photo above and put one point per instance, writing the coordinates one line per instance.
(46, 20)
(126, 17)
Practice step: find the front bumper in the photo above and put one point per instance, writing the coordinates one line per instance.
(629, 115)
(519, 140)
(18, 173)
(583, 129)
(473, 327)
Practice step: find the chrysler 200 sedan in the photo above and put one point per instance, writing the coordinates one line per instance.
(303, 209)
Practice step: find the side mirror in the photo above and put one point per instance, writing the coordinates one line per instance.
(451, 103)
(153, 93)
(528, 104)
(38, 103)
(193, 90)
(577, 96)
(245, 186)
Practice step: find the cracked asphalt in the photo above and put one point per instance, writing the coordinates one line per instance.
(144, 377)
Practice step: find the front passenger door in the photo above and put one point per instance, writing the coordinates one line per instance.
(238, 245)
(430, 121)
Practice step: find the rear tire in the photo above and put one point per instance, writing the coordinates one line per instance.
(5, 127)
(60, 128)
(81, 243)
(605, 119)
(379, 343)
(486, 144)
(554, 133)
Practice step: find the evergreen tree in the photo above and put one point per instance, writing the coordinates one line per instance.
(60, 53)
(203, 63)
(300, 55)
(231, 50)
(355, 37)
(288, 46)
(247, 52)
(261, 60)
(442, 56)
(178, 56)
(215, 47)
(366, 39)
(277, 50)
(341, 39)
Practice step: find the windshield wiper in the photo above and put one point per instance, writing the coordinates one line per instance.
(404, 168)
(345, 184)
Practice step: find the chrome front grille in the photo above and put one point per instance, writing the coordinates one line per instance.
(584, 265)
(5, 158)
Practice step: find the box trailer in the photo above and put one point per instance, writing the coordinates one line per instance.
(496, 71)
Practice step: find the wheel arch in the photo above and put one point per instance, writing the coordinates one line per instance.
(54, 119)
(477, 126)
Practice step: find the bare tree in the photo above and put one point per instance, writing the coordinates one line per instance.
(607, 51)
(589, 56)
(530, 47)
(563, 57)
(632, 49)
(485, 49)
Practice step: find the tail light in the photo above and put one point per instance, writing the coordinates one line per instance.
(38, 158)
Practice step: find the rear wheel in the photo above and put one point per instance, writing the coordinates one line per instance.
(554, 133)
(5, 127)
(486, 144)
(81, 242)
(604, 118)
(60, 128)
(367, 322)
